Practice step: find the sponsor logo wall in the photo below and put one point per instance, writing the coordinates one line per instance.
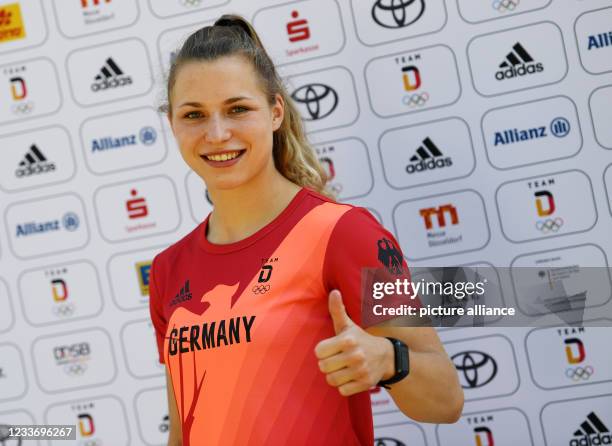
(478, 131)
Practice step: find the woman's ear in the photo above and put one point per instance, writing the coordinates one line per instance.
(278, 112)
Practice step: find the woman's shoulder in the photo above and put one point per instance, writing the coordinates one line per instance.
(172, 254)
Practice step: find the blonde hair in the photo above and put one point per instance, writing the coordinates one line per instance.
(294, 157)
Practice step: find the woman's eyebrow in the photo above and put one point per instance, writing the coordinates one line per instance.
(227, 101)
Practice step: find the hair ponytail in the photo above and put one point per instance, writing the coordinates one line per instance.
(294, 157)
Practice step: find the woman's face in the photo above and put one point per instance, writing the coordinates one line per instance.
(223, 122)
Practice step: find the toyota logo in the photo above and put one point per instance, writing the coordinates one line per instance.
(476, 369)
(317, 100)
(397, 13)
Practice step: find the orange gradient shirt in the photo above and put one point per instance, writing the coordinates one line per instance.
(237, 325)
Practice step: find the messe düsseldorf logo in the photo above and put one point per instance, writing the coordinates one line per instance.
(559, 127)
(483, 436)
(316, 101)
(93, 12)
(440, 236)
(599, 41)
(69, 222)
(11, 23)
(505, 5)
(592, 432)
(411, 81)
(518, 63)
(397, 13)
(34, 163)
(73, 358)
(110, 76)
(440, 213)
(475, 368)
(428, 157)
(147, 136)
(575, 353)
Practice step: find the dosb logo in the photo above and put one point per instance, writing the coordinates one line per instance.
(575, 354)
(397, 13)
(545, 206)
(73, 358)
(86, 425)
(110, 76)
(19, 90)
(412, 81)
(483, 436)
(518, 63)
(428, 157)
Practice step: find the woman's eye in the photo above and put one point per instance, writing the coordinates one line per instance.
(192, 115)
(239, 109)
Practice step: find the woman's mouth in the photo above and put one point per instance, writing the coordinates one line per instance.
(223, 159)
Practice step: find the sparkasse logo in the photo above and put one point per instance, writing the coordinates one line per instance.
(518, 63)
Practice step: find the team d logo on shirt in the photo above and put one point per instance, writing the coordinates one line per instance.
(390, 256)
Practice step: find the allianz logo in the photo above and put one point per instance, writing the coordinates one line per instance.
(559, 127)
(69, 222)
(146, 136)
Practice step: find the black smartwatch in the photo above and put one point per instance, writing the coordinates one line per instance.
(402, 363)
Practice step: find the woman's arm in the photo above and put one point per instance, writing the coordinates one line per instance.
(175, 434)
(431, 392)
(356, 359)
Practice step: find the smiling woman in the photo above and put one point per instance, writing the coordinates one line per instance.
(257, 311)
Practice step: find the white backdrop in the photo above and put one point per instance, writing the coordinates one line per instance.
(492, 114)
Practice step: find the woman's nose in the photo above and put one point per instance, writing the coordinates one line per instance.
(216, 130)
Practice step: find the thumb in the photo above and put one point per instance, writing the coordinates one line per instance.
(340, 318)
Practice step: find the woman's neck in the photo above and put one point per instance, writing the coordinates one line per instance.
(241, 212)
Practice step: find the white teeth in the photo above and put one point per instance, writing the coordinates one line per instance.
(223, 156)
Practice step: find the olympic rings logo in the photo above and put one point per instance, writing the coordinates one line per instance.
(190, 2)
(549, 225)
(64, 310)
(416, 100)
(261, 289)
(75, 369)
(505, 5)
(578, 373)
(23, 108)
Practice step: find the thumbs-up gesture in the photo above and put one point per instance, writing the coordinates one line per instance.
(353, 360)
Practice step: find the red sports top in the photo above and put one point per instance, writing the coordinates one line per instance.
(237, 325)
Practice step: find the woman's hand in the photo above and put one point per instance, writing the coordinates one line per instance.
(353, 360)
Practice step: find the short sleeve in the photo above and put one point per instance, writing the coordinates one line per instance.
(359, 245)
(156, 311)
